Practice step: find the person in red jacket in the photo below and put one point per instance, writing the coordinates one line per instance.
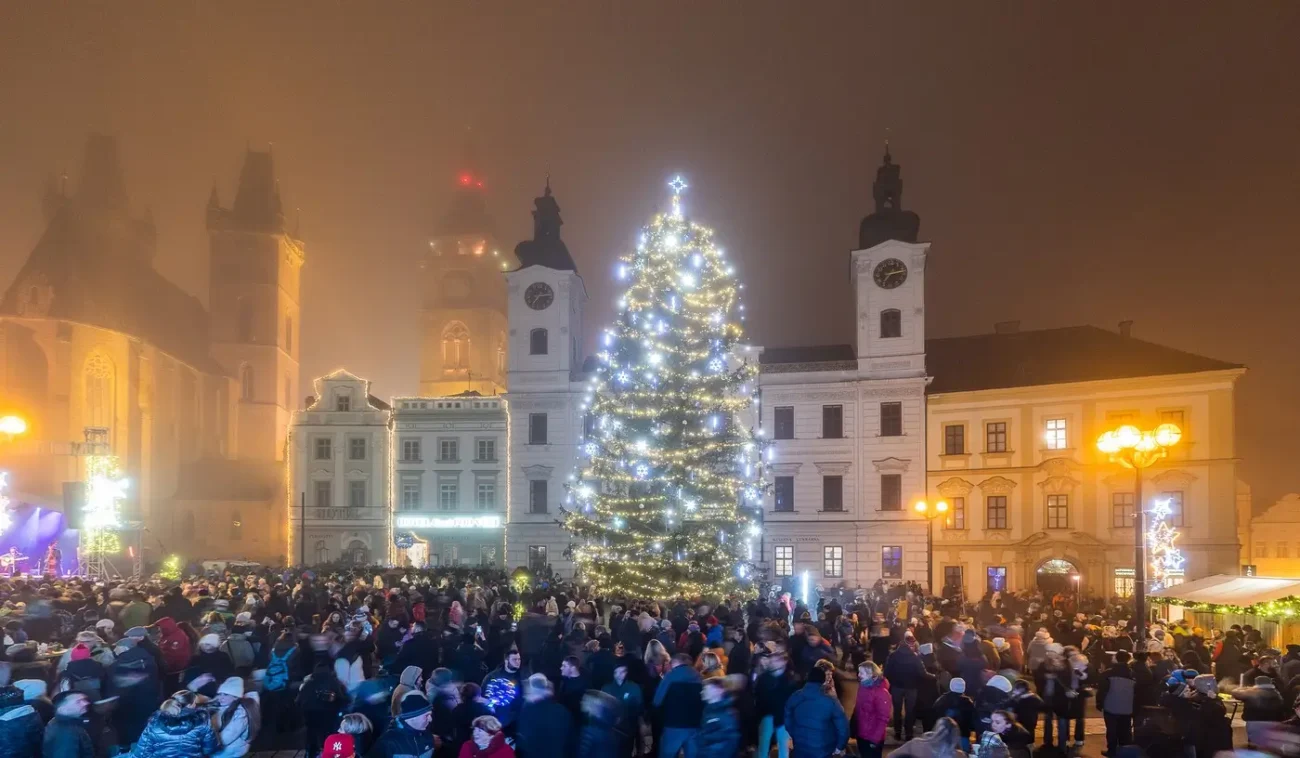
(872, 710)
(176, 650)
(487, 740)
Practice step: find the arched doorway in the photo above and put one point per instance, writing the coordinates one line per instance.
(1057, 575)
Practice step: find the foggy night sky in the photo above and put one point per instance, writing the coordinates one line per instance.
(1073, 162)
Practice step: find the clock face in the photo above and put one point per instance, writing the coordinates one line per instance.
(538, 296)
(890, 273)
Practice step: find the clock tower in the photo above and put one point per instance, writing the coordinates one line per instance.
(545, 298)
(463, 308)
(889, 283)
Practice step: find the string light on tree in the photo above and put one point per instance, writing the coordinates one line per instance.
(664, 503)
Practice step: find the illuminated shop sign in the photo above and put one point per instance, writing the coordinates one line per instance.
(448, 522)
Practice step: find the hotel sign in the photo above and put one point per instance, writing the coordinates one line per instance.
(447, 522)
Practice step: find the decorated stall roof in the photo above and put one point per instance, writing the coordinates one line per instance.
(1272, 597)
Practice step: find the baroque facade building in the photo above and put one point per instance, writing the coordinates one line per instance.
(1270, 545)
(92, 336)
(340, 471)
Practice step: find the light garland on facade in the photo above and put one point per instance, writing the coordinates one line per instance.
(105, 489)
(666, 499)
(1166, 557)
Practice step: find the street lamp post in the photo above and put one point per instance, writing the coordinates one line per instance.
(1136, 449)
(930, 512)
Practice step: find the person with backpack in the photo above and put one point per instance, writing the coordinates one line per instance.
(238, 717)
(321, 702)
(275, 684)
(240, 649)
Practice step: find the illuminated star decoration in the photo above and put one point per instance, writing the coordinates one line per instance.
(1167, 559)
(678, 185)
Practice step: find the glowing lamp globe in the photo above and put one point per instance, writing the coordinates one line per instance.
(12, 425)
(1128, 436)
(1167, 435)
(941, 507)
(1108, 443)
(1146, 443)
(921, 506)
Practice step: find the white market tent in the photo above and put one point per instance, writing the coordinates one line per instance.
(1225, 589)
(1247, 593)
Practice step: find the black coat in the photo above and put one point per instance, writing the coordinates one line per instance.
(20, 726)
(544, 730)
(771, 691)
(67, 738)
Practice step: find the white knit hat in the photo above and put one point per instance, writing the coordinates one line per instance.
(957, 685)
(234, 687)
(999, 682)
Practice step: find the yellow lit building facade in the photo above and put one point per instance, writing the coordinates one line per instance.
(1012, 421)
(1271, 542)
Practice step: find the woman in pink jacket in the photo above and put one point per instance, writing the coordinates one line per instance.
(871, 713)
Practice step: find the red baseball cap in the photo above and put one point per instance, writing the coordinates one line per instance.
(339, 746)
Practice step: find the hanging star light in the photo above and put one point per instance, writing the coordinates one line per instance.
(1167, 560)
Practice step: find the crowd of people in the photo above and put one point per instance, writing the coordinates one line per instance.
(461, 663)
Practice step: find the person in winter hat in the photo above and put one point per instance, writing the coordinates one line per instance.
(409, 733)
(995, 696)
(955, 704)
(21, 726)
(1264, 708)
(238, 717)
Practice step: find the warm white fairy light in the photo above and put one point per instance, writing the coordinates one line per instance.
(669, 487)
(1167, 559)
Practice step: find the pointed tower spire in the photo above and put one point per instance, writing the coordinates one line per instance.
(102, 186)
(257, 197)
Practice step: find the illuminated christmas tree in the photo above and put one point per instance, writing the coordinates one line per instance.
(665, 500)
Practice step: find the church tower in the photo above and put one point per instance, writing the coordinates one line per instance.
(463, 305)
(889, 283)
(253, 298)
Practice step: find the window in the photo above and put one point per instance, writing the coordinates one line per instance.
(244, 320)
(833, 493)
(784, 565)
(245, 382)
(995, 437)
(1176, 514)
(1283, 551)
(537, 496)
(956, 514)
(501, 354)
(1261, 550)
(288, 334)
(891, 492)
(783, 423)
(236, 527)
(1121, 510)
(588, 425)
(891, 419)
(357, 449)
(343, 402)
(100, 397)
(357, 493)
(954, 439)
(996, 512)
(997, 578)
(891, 324)
(1055, 435)
(1058, 511)
(410, 494)
(448, 450)
(784, 493)
(455, 347)
(324, 449)
(891, 562)
(1123, 582)
(537, 428)
(537, 560)
(487, 450)
(448, 495)
(485, 496)
(953, 581)
(1119, 418)
(537, 342)
(833, 562)
(324, 495)
(410, 451)
(1174, 417)
(322, 552)
(832, 422)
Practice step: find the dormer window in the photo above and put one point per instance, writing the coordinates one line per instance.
(343, 402)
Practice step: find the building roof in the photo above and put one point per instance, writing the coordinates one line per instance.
(1016, 359)
(1228, 590)
(1052, 356)
(97, 260)
(1284, 511)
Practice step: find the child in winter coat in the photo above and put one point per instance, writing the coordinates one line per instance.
(871, 714)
